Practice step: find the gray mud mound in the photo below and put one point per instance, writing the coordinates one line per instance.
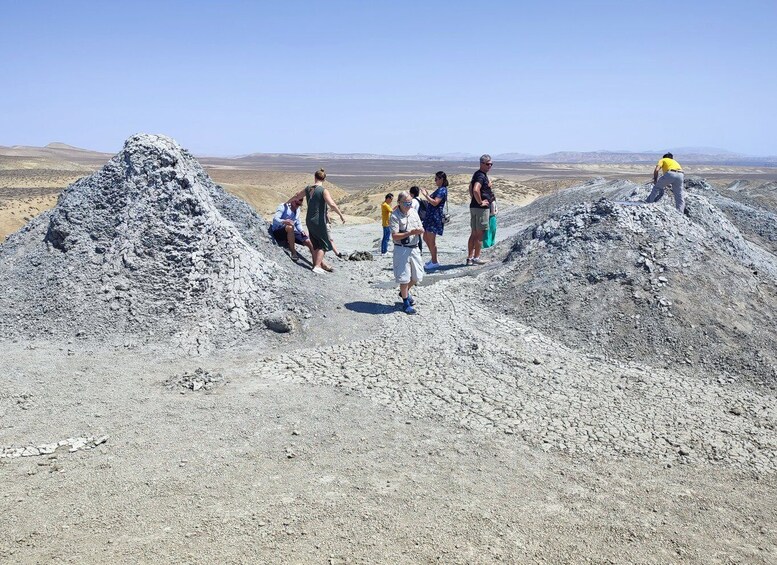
(751, 207)
(756, 193)
(147, 246)
(643, 282)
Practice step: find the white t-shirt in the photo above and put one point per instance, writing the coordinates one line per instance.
(398, 222)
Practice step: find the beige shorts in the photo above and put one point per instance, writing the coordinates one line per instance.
(408, 265)
(478, 218)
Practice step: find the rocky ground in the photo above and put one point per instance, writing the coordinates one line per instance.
(462, 434)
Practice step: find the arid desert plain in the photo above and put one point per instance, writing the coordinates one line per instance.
(174, 389)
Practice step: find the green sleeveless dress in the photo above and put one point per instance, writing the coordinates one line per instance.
(316, 217)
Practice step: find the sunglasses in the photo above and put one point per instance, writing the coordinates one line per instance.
(488, 164)
(405, 203)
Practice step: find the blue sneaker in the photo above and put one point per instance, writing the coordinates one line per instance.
(408, 307)
(410, 298)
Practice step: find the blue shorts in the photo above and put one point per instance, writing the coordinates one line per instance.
(280, 237)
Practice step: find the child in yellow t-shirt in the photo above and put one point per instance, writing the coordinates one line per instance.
(385, 212)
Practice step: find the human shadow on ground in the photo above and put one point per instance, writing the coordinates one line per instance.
(443, 268)
(375, 308)
(445, 272)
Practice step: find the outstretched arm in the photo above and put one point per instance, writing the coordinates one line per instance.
(297, 196)
(329, 200)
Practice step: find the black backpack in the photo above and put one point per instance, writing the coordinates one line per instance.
(422, 205)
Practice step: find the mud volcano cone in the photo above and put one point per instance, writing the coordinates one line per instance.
(644, 282)
(148, 244)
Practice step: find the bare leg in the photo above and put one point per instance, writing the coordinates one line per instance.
(309, 246)
(290, 240)
(477, 242)
(431, 243)
(318, 257)
(403, 290)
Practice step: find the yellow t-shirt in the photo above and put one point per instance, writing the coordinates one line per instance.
(667, 164)
(385, 211)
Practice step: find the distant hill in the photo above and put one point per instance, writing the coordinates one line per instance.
(690, 155)
(58, 145)
(684, 155)
(704, 150)
(722, 157)
(513, 157)
(57, 152)
(345, 156)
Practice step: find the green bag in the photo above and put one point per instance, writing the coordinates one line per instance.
(490, 237)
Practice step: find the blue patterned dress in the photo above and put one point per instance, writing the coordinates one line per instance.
(433, 220)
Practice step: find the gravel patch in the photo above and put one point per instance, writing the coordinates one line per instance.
(200, 379)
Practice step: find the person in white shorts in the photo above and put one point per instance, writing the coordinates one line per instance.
(406, 232)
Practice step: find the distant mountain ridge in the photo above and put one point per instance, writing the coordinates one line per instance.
(695, 155)
(690, 155)
(57, 152)
(59, 145)
(722, 157)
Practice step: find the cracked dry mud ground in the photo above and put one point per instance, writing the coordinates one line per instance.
(398, 441)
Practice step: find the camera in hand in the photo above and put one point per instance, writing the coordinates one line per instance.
(405, 240)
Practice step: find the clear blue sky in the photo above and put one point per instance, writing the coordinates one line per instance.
(398, 77)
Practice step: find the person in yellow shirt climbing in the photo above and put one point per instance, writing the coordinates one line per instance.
(672, 176)
(385, 212)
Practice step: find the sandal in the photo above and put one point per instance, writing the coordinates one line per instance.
(327, 268)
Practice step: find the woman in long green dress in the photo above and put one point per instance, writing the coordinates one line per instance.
(318, 200)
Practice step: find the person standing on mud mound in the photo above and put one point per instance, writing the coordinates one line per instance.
(406, 230)
(434, 223)
(481, 195)
(385, 214)
(673, 177)
(318, 199)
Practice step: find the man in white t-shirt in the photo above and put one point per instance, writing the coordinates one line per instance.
(406, 231)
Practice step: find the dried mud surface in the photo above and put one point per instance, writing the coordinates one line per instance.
(475, 431)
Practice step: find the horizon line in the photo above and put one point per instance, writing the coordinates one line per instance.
(690, 150)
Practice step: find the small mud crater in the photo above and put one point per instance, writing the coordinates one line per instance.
(199, 380)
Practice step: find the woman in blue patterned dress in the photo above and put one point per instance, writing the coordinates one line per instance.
(433, 223)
